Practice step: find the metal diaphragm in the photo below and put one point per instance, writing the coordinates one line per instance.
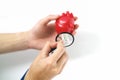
(66, 37)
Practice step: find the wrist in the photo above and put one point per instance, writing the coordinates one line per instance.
(23, 38)
(30, 76)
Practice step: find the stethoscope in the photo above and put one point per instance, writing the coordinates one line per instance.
(67, 38)
(64, 26)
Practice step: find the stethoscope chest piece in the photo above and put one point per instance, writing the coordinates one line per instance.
(66, 37)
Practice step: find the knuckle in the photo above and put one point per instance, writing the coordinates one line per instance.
(61, 49)
(59, 72)
(67, 57)
(49, 63)
(56, 71)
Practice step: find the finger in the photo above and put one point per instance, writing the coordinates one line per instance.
(49, 18)
(58, 52)
(74, 32)
(75, 18)
(51, 26)
(76, 26)
(62, 61)
(48, 46)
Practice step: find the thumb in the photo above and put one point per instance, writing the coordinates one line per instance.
(49, 18)
(47, 48)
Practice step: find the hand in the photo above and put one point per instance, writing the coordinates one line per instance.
(43, 31)
(46, 66)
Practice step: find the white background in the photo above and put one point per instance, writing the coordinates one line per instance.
(95, 55)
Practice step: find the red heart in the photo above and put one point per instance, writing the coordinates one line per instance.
(65, 23)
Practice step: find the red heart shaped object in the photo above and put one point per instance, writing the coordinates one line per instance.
(65, 23)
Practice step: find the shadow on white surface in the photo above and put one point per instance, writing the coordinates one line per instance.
(13, 65)
(17, 58)
(85, 44)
